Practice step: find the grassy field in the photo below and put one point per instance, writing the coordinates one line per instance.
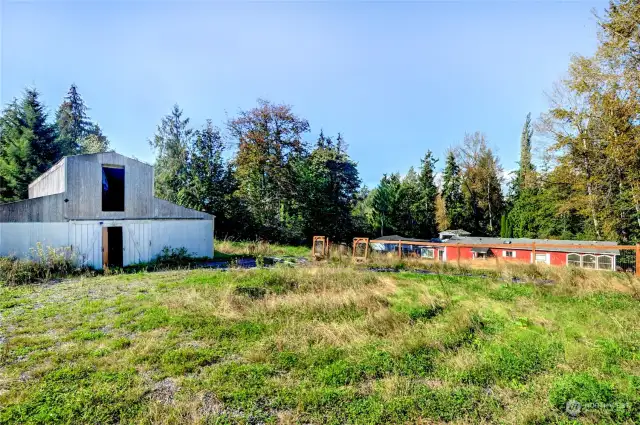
(318, 345)
(228, 248)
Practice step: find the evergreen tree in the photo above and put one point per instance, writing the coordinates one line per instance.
(452, 193)
(408, 206)
(210, 182)
(524, 176)
(384, 204)
(428, 192)
(27, 146)
(329, 186)
(73, 123)
(171, 145)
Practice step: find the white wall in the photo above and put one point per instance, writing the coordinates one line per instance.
(142, 240)
(17, 238)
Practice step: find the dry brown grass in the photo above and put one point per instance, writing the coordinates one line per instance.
(569, 279)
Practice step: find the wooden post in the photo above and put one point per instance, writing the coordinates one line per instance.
(533, 252)
(638, 259)
(458, 255)
(366, 248)
(400, 249)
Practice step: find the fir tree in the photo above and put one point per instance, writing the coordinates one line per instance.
(428, 194)
(73, 123)
(27, 146)
(452, 193)
(171, 145)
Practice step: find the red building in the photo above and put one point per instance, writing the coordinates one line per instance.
(574, 253)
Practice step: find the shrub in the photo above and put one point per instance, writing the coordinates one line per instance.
(174, 257)
(46, 263)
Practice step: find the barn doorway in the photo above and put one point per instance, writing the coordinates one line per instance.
(112, 247)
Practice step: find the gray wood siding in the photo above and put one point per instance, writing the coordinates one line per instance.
(50, 183)
(166, 209)
(82, 183)
(84, 187)
(44, 209)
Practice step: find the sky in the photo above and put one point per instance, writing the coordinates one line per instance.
(395, 78)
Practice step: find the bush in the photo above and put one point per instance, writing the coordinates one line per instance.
(45, 264)
(174, 256)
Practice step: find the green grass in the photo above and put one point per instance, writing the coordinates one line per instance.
(226, 249)
(316, 345)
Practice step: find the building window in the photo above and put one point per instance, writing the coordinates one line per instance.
(112, 188)
(574, 260)
(541, 258)
(605, 263)
(589, 261)
(510, 254)
(427, 253)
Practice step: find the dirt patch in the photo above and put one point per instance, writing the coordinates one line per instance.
(210, 405)
(164, 391)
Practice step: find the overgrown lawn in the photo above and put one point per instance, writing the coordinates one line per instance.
(316, 345)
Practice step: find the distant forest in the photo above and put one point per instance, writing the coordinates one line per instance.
(272, 185)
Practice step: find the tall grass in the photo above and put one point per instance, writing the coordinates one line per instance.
(570, 278)
(325, 343)
(45, 263)
(227, 247)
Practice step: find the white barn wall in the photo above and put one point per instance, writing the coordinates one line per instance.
(142, 240)
(195, 235)
(17, 239)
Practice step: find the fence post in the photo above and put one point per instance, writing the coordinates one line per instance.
(400, 249)
(458, 256)
(638, 259)
(533, 252)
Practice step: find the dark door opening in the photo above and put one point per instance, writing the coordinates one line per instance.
(112, 188)
(112, 246)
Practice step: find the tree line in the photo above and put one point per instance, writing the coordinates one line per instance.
(262, 180)
(30, 144)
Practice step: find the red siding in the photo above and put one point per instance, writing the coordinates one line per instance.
(521, 255)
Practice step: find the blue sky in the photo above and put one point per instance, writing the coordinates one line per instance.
(396, 79)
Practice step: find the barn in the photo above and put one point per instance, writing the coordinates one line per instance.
(102, 207)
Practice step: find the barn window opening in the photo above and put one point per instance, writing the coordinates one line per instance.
(112, 188)
(510, 254)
